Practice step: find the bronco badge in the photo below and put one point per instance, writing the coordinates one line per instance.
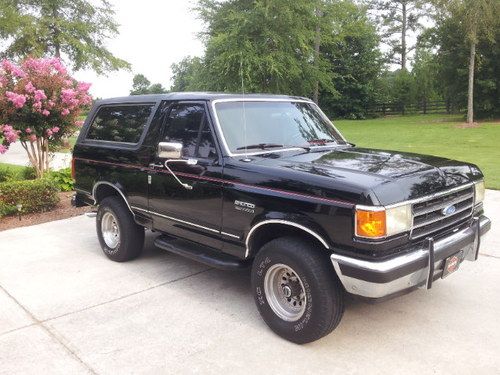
(244, 206)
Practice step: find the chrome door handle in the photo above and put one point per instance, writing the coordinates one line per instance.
(188, 162)
(153, 165)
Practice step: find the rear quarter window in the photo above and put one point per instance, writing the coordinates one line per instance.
(119, 123)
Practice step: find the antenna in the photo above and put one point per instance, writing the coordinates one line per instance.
(244, 109)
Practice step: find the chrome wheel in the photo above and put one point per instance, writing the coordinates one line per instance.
(110, 230)
(285, 292)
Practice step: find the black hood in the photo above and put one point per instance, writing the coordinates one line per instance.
(389, 176)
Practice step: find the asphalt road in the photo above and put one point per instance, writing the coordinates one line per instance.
(66, 309)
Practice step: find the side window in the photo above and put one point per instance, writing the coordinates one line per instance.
(187, 124)
(120, 123)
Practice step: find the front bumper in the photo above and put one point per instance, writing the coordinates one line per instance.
(417, 268)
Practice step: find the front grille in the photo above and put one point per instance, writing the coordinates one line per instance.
(429, 219)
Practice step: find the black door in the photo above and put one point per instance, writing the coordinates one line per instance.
(194, 214)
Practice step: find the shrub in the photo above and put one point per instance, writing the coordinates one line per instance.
(14, 172)
(6, 209)
(34, 195)
(62, 179)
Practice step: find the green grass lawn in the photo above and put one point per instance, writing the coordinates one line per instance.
(432, 134)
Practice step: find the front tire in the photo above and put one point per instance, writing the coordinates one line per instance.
(120, 237)
(296, 290)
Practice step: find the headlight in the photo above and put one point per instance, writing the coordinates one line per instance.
(399, 219)
(479, 191)
(380, 222)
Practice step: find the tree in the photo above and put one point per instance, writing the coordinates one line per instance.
(452, 56)
(403, 89)
(74, 30)
(425, 70)
(39, 104)
(186, 75)
(141, 85)
(261, 46)
(478, 18)
(354, 61)
(397, 18)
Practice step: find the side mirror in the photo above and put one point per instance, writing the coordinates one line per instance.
(169, 150)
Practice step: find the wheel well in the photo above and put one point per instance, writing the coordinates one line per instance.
(103, 191)
(269, 232)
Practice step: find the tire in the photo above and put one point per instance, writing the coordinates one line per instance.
(120, 237)
(310, 275)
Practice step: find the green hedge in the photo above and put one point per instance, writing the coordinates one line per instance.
(35, 196)
(10, 172)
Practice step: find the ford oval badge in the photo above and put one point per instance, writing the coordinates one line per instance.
(450, 210)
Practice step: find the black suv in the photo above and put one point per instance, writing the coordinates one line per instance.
(268, 182)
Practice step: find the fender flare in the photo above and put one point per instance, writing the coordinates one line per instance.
(282, 222)
(118, 189)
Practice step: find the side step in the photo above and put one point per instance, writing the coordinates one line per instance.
(200, 253)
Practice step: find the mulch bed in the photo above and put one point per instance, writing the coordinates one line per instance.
(63, 210)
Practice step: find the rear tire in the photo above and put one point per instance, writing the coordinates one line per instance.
(120, 237)
(296, 290)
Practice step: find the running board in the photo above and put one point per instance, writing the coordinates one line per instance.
(200, 253)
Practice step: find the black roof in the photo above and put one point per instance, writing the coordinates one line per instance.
(194, 96)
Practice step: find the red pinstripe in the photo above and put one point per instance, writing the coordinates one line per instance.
(212, 179)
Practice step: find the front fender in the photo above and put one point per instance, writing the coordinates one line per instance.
(298, 221)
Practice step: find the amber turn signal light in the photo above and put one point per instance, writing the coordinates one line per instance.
(370, 224)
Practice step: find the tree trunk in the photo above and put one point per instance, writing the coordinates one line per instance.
(470, 96)
(56, 42)
(403, 36)
(317, 44)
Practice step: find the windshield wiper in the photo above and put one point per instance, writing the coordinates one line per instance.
(262, 146)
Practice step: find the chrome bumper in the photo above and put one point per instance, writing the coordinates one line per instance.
(417, 268)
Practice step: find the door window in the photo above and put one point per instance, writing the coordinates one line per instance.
(187, 124)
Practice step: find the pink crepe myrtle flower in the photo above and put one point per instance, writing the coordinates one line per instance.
(40, 95)
(28, 130)
(58, 66)
(55, 129)
(29, 88)
(86, 99)
(49, 132)
(3, 149)
(65, 112)
(83, 86)
(11, 137)
(17, 99)
(13, 69)
(51, 104)
(79, 123)
(10, 134)
(45, 112)
(68, 96)
(37, 106)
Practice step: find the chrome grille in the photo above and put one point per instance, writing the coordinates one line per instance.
(429, 219)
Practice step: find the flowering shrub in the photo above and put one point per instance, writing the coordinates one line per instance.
(39, 103)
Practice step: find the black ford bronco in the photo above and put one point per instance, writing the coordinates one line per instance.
(268, 182)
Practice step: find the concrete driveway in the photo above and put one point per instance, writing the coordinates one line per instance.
(17, 155)
(66, 309)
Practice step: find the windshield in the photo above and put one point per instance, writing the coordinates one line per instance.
(273, 125)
